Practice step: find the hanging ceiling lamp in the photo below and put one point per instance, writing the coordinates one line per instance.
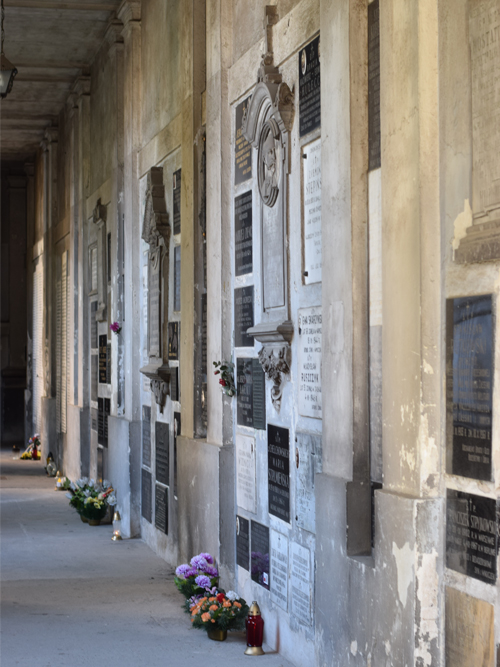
(7, 69)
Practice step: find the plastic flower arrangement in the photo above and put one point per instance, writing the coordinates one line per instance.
(33, 450)
(91, 499)
(192, 579)
(226, 371)
(115, 328)
(223, 611)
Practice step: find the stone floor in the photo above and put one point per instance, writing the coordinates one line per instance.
(71, 596)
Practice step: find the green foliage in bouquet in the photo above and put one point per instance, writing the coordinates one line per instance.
(224, 611)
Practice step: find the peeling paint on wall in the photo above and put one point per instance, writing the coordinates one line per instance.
(462, 221)
(404, 568)
(427, 626)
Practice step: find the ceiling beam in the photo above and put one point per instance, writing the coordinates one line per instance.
(105, 6)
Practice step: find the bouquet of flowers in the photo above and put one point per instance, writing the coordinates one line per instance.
(200, 574)
(91, 499)
(226, 371)
(33, 450)
(222, 611)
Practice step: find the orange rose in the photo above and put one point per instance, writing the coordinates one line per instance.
(226, 604)
(237, 604)
(213, 607)
(205, 617)
(211, 599)
(213, 620)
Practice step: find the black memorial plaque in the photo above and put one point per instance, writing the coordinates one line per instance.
(103, 356)
(94, 379)
(177, 278)
(173, 340)
(243, 543)
(177, 202)
(100, 464)
(162, 453)
(93, 324)
(177, 431)
(309, 88)
(93, 419)
(278, 459)
(204, 323)
(146, 495)
(243, 150)
(260, 554)
(251, 404)
(243, 316)
(469, 385)
(174, 383)
(471, 535)
(108, 364)
(146, 436)
(373, 86)
(243, 234)
(103, 411)
(161, 508)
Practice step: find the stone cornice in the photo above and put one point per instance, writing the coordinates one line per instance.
(129, 11)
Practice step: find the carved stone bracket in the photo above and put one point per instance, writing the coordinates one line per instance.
(160, 391)
(275, 355)
(99, 218)
(481, 243)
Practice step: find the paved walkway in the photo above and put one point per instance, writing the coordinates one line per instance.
(72, 597)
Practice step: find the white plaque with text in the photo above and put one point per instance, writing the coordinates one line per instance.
(310, 327)
(311, 212)
(245, 472)
(301, 584)
(279, 569)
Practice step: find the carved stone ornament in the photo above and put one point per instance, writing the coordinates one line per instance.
(156, 232)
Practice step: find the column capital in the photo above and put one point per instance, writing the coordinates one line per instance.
(129, 12)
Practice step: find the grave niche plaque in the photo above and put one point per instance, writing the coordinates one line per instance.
(103, 357)
(251, 398)
(177, 431)
(308, 461)
(177, 278)
(174, 383)
(177, 201)
(469, 633)
(279, 569)
(243, 316)
(245, 473)
(162, 453)
(301, 583)
(103, 411)
(243, 542)
(309, 88)
(243, 233)
(310, 341)
(471, 535)
(278, 458)
(161, 508)
(373, 86)
(156, 232)
(146, 436)
(311, 211)
(243, 150)
(260, 554)
(469, 386)
(173, 340)
(146, 495)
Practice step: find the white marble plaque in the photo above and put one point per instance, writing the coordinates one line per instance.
(311, 212)
(245, 472)
(310, 327)
(301, 584)
(279, 569)
(484, 31)
(308, 462)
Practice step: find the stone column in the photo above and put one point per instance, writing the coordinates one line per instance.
(29, 168)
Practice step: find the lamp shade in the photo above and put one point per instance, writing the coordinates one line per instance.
(7, 75)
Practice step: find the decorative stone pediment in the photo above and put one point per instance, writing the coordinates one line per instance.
(156, 232)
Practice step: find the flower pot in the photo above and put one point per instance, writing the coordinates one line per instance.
(83, 519)
(94, 522)
(217, 635)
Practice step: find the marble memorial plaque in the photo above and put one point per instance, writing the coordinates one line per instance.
(251, 404)
(177, 431)
(243, 543)
(311, 211)
(177, 278)
(309, 88)
(146, 495)
(161, 508)
(374, 144)
(108, 364)
(484, 31)
(146, 436)
(245, 473)
(103, 411)
(259, 395)
(469, 630)
(260, 554)
(154, 303)
(173, 340)
(93, 324)
(279, 569)
(242, 150)
(243, 316)
(273, 255)
(163, 453)
(308, 461)
(243, 234)
(103, 356)
(310, 341)
(177, 201)
(469, 386)
(301, 583)
(471, 535)
(174, 383)
(94, 361)
(278, 457)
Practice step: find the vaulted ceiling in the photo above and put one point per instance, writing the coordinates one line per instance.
(51, 43)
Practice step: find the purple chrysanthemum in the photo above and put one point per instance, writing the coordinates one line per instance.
(211, 571)
(182, 569)
(202, 581)
(191, 572)
(208, 558)
(199, 562)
